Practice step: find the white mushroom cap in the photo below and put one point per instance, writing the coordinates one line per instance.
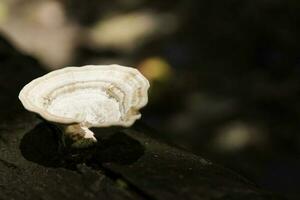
(93, 95)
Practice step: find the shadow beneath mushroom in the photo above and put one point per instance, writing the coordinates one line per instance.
(42, 145)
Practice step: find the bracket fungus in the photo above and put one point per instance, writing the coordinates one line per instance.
(78, 98)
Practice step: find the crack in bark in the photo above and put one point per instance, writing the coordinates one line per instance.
(8, 164)
(116, 176)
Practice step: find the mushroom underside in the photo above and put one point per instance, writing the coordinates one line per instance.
(90, 106)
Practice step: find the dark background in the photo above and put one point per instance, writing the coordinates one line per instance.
(225, 75)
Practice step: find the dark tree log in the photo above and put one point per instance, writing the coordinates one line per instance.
(126, 164)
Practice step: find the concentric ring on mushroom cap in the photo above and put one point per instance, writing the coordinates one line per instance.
(93, 95)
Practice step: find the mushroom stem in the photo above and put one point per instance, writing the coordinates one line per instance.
(80, 135)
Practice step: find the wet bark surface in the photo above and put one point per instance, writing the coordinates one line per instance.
(130, 163)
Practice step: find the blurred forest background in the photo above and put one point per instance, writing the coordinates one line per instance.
(225, 75)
